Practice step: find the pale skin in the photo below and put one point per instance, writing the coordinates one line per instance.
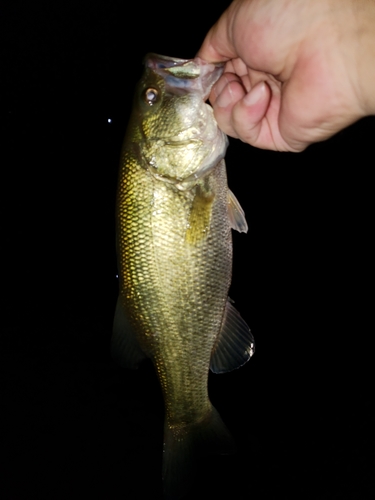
(296, 72)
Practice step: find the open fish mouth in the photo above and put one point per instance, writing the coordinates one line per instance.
(185, 75)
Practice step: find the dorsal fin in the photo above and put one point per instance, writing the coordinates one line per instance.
(234, 345)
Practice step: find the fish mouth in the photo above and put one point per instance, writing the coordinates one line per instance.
(190, 152)
(189, 75)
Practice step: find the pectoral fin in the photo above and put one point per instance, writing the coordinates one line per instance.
(234, 345)
(124, 345)
(200, 214)
(236, 214)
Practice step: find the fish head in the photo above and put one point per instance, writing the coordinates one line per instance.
(177, 137)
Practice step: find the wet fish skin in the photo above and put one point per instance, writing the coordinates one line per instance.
(174, 247)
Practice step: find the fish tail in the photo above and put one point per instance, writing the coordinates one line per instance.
(185, 448)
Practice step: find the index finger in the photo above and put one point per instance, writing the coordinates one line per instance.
(217, 46)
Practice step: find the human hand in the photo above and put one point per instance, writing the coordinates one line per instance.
(296, 72)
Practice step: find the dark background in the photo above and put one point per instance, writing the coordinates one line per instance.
(74, 425)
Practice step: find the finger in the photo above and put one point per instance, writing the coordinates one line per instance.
(228, 97)
(220, 85)
(248, 117)
(242, 115)
(217, 46)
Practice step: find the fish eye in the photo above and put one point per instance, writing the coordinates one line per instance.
(151, 96)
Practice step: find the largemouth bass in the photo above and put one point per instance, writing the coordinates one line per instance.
(174, 219)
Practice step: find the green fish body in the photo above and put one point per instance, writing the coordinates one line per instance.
(174, 219)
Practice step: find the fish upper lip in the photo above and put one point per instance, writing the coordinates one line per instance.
(193, 75)
(154, 60)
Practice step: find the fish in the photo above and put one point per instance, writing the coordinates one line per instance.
(174, 217)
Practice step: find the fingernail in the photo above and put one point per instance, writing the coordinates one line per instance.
(254, 95)
(225, 98)
(219, 86)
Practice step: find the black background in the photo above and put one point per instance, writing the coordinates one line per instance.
(74, 425)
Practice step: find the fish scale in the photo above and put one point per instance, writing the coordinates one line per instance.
(160, 272)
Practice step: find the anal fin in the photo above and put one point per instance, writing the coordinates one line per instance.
(234, 345)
